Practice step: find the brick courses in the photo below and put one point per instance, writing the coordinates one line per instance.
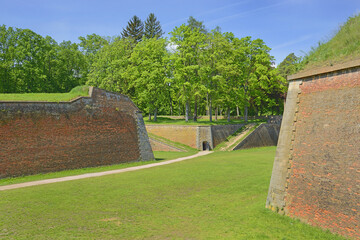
(323, 169)
(91, 131)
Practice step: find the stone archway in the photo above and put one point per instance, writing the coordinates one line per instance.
(205, 146)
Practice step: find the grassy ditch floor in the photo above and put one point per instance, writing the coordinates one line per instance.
(218, 196)
(46, 97)
(159, 156)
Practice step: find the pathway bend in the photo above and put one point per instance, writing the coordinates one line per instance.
(99, 174)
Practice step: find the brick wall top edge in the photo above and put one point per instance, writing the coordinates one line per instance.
(75, 100)
(325, 70)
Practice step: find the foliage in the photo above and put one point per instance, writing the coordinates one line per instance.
(134, 29)
(30, 63)
(289, 65)
(152, 27)
(147, 72)
(221, 195)
(109, 69)
(206, 71)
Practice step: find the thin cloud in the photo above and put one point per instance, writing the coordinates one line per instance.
(242, 14)
(207, 12)
(289, 43)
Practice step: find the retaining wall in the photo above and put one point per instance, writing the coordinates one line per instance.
(316, 173)
(38, 137)
(264, 135)
(194, 136)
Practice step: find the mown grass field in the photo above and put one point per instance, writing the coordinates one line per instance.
(159, 156)
(218, 196)
(46, 97)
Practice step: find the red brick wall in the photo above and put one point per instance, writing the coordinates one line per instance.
(324, 181)
(39, 137)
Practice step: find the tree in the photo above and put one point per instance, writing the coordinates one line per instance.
(90, 46)
(190, 43)
(147, 72)
(193, 23)
(152, 27)
(134, 29)
(108, 70)
(290, 65)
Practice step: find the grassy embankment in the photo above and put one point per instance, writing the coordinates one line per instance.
(46, 97)
(218, 196)
(234, 135)
(342, 47)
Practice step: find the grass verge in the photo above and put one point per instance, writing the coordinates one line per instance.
(159, 156)
(46, 97)
(218, 196)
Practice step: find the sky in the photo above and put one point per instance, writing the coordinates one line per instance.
(286, 26)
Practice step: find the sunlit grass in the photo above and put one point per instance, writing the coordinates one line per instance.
(46, 97)
(217, 196)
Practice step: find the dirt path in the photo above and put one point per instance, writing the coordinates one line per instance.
(239, 136)
(99, 174)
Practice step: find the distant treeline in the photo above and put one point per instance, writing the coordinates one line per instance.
(195, 72)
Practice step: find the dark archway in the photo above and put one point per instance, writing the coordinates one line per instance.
(206, 146)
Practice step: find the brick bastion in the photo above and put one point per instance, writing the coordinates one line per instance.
(102, 129)
(316, 172)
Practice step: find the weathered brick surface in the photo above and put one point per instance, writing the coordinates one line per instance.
(45, 137)
(324, 177)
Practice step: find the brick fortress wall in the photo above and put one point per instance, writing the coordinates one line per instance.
(38, 137)
(316, 174)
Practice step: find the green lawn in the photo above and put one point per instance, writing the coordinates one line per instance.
(166, 120)
(218, 196)
(46, 97)
(159, 156)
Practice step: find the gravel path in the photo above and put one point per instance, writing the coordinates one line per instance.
(99, 174)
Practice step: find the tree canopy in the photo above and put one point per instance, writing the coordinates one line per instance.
(205, 72)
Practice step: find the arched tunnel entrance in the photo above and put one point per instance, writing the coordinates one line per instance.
(205, 146)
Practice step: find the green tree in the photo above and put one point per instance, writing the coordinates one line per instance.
(134, 29)
(190, 43)
(90, 46)
(152, 27)
(290, 65)
(193, 23)
(109, 69)
(148, 72)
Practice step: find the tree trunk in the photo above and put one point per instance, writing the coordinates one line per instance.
(237, 111)
(187, 110)
(195, 110)
(155, 114)
(246, 114)
(210, 110)
(149, 116)
(228, 114)
(216, 112)
(207, 105)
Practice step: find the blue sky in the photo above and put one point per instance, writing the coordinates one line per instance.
(285, 25)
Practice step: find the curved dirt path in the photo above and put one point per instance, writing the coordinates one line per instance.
(99, 174)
